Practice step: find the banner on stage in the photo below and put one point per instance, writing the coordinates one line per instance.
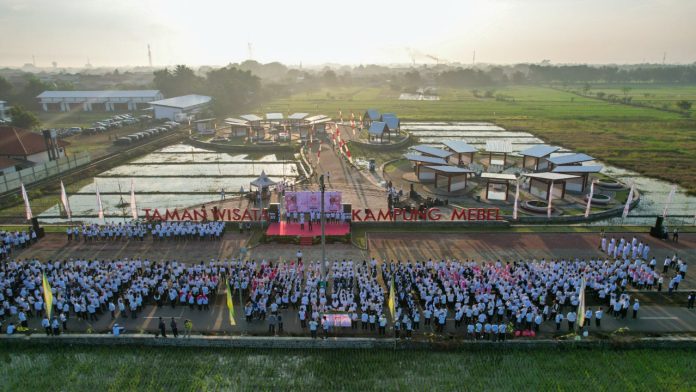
(311, 201)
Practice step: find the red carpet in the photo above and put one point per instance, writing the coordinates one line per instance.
(293, 229)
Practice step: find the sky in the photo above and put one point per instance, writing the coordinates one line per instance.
(313, 32)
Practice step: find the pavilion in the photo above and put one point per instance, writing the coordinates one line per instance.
(498, 180)
(238, 127)
(461, 149)
(392, 121)
(424, 172)
(370, 116)
(536, 158)
(569, 159)
(540, 184)
(378, 129)
(498, 147)
(456, 176)
(254, 122)
(432, 151)
(583, 172)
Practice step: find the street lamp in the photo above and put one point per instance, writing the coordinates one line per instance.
(322, 188)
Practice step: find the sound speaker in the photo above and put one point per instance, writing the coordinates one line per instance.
(274, 212)
(37, 229)
(347, 212)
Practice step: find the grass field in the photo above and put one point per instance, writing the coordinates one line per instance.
(179, 369)
(654, 142)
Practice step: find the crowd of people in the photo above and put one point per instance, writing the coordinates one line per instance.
(158, 231)
(13, 240)
(483, 299)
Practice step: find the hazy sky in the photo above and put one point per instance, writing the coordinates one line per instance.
(116, 32)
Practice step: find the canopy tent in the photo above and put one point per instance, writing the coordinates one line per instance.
(498, 180)
(262, 182)
(537, 156)
(454, 176)
(460, 148)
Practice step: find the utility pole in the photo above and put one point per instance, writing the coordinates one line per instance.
(322, 187)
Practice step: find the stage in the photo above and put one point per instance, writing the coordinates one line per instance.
(293, 229)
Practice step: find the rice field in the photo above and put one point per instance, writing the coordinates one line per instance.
(653, 142)
(58, 368)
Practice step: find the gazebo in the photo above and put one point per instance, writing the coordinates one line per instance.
(432, 151)
(262, 183)
(378, 129)
(455, 177)
(370, 116)
(569, 159)
(392, 121)
(254, 122)
(583, 172)
(460, 149)
(498, 147)
(540, 184)
(317, 123)
(420, 160)
(238, 127)
(535, 158)
(498, 180)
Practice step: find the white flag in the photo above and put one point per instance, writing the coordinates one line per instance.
(627, 207)
(548, 211)
(669, 200)
(65, 201)
(134, 209)
(27, 207)
(517, 198)
(100, 208)
(589, 200)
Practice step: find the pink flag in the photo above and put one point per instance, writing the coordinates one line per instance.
(589, 200)
(100, 208)
(65, 201)
(134, 209)
(27, 207)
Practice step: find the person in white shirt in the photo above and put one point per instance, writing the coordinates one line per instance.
(598, 317)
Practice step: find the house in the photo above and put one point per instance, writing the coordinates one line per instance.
(205, 126)
(25, 145)
(179, 108)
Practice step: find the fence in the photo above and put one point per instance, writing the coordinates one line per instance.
(12, 181)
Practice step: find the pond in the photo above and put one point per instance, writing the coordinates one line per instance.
(176, 176)
(653, 191)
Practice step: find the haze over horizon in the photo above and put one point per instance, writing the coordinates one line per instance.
(313, 32)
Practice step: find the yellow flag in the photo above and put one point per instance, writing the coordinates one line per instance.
(230, 305)
(48, 296)
(392, 299)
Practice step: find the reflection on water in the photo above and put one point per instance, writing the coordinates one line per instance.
(180, 175)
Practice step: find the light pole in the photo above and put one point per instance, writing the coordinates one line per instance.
(322, 187)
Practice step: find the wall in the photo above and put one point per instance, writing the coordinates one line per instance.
(11, 181)
(166, 112)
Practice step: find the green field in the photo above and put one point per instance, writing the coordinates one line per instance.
(184, 369)
(654, 142)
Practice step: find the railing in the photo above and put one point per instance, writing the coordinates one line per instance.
(13, 181)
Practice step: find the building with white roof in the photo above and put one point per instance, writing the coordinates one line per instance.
(103, 100)
(178, 108)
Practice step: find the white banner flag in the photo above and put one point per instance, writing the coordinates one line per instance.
(65, 201)
(27, 207)
(517, 200)
(134, 209)
(589, 200)
(669, 200)
(100, 208)
(627, 207)
(548, 211)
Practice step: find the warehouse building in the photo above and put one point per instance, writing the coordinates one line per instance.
(180, 108)
(104, 101)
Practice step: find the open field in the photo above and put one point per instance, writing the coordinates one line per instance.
(184, 369)
(656, 143)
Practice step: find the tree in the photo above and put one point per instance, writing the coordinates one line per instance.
(232, 89)
(5, 87)
(180, 81)
(586, 88)
(684, 105)
(626, 90)
(22, 118)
